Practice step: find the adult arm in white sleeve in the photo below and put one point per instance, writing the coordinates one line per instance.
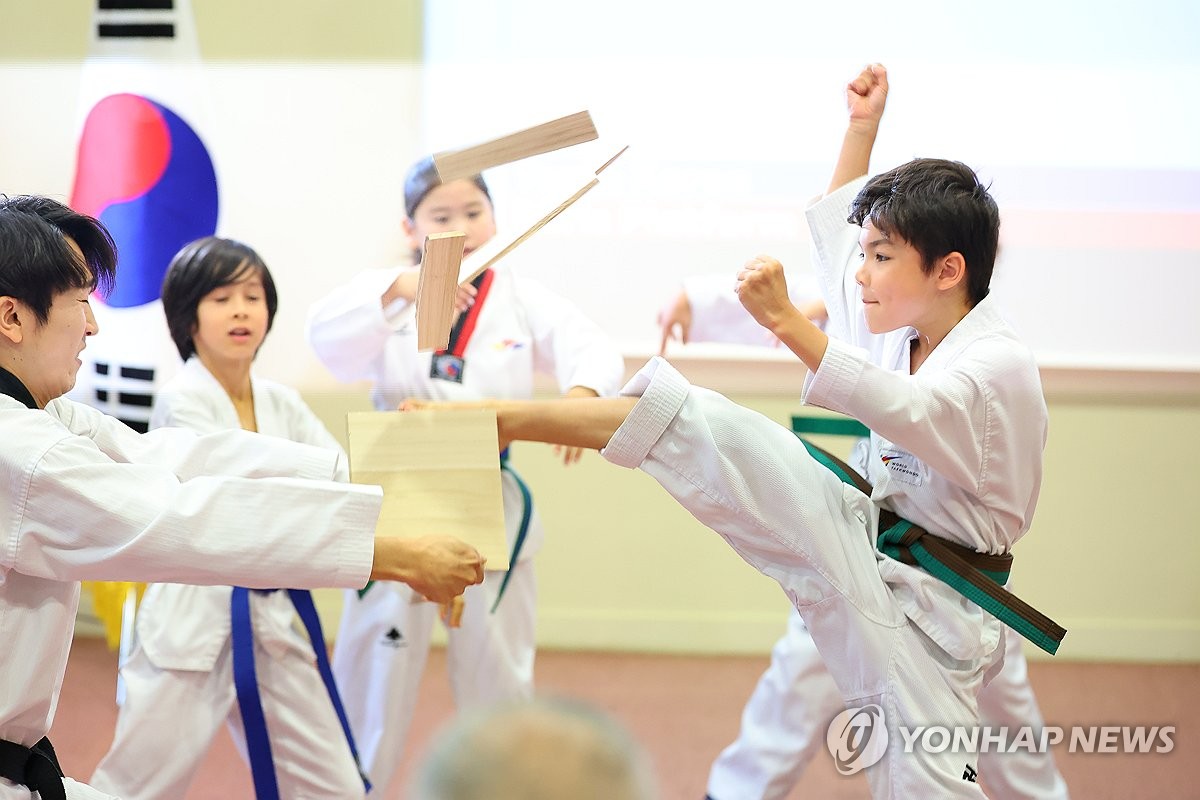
(187, 454)
(80, 515)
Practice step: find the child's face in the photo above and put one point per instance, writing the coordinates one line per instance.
(896, 291)
(455, 206)
(231, 321)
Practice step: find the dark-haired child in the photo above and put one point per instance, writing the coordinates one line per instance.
(220, 301)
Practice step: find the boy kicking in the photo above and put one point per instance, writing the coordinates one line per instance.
(919, 353)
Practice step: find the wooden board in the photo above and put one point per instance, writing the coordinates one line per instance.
(440, 473)
(547, 137)
(440, 265)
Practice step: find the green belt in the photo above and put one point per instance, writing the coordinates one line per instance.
(522, 531)
(829, 426)
(980, 577)
(526, 516)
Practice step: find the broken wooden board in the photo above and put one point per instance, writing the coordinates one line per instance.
(545, 138)
(436, 288)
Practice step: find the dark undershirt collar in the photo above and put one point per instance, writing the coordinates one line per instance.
(11, 385)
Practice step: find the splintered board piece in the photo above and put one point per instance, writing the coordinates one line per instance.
(497, 248)
(440, 473)
(545, 138)
(436, 288)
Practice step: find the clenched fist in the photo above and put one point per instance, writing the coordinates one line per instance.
(763, 291)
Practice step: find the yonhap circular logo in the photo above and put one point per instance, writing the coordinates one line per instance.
(857, 738)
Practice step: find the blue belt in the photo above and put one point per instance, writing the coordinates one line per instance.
(245, 681)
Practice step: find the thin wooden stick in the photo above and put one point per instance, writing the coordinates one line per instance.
(476, 264)
(493, 251)
(605, 165)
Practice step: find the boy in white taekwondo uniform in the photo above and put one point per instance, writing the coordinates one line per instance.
(784, 723)
(958, 423)
(510, 327)
(220, 301)
(87, 498)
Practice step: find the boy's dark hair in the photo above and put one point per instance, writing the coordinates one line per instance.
(197, 269)
(423, 178)
(938, 207)
(37, 264)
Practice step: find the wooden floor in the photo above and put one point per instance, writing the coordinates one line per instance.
(685, 709)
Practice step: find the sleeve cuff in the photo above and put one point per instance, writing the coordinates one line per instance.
(662, 391)
(315, 463)
(832, 385)
(831, 210)
(357, 551)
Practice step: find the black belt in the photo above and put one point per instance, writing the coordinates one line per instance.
(34, 767)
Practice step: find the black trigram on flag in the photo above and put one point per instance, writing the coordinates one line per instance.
(125, 392)
(135, 19)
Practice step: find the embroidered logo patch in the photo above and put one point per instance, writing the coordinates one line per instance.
(903, 466)
(393, 638)
(447, 367)
(508, 344)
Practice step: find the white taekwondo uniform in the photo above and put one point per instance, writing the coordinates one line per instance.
(86, 498)
(183, 660)
(382, 644)
(956, 448)
(784, 722)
